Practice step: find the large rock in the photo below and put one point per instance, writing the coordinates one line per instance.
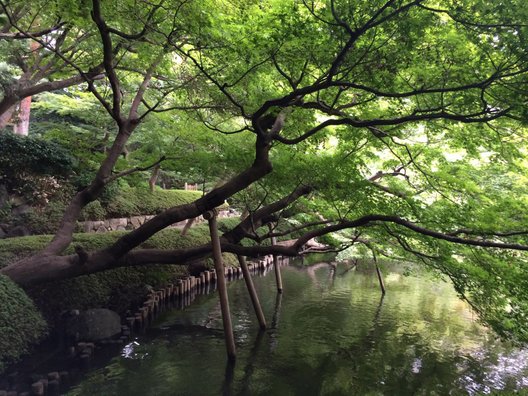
(94, 325)
(101, 228)
(136, 221)
(87, 226)
(114, 224)
(21, 209)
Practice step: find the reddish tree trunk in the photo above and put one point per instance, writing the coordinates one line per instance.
(21, 125)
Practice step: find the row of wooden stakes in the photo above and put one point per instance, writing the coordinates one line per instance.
(190, 286)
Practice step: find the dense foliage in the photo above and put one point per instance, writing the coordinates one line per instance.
(32, 165)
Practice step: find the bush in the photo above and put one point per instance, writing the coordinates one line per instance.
(93, 211)
(21, 325)
(22, 157)
(141, 201)
(119, 289)
(42, 221)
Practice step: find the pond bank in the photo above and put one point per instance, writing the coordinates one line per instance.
(120, 289)
(63, 367)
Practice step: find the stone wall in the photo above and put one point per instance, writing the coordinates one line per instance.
(133, 222)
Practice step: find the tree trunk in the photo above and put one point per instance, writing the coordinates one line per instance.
(154, 177)
(47, 267)
(21, 125)
(6, 112)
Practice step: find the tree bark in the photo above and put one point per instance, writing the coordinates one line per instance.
(21, 125)
(154, 177)
(6, 112)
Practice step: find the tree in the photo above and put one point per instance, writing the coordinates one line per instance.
(397, 120)
(39, 50)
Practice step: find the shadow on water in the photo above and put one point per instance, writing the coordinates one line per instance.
(331, 332)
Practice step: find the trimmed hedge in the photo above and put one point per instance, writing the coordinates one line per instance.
(21, 324)
(137, 202)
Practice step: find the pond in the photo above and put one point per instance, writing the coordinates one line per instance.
(330, 333)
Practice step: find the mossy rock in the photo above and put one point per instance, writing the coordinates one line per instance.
(21, 324)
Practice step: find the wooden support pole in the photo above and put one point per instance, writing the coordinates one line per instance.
(221, 283)
(252, 292)
(187, 226)
(278, 276)
(378, 271)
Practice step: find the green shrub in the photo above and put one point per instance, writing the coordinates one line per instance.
(330, 240)
(25, 155)
(135, 201)
(21, 325)
(34, 155)
(42, 221)
(93, 211)
(141, 201)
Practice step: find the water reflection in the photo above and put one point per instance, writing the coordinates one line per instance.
(332, 333)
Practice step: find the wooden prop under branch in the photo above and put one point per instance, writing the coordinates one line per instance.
(221, 284)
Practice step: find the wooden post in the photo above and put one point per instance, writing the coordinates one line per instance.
(221, 283)
(187, 226)
(252, 292)
(380, 276)
(278, 276)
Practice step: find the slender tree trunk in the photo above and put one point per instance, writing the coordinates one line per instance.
(63, 236)
(21, 125)
(154, 177)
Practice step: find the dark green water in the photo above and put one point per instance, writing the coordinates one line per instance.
(329, 334)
